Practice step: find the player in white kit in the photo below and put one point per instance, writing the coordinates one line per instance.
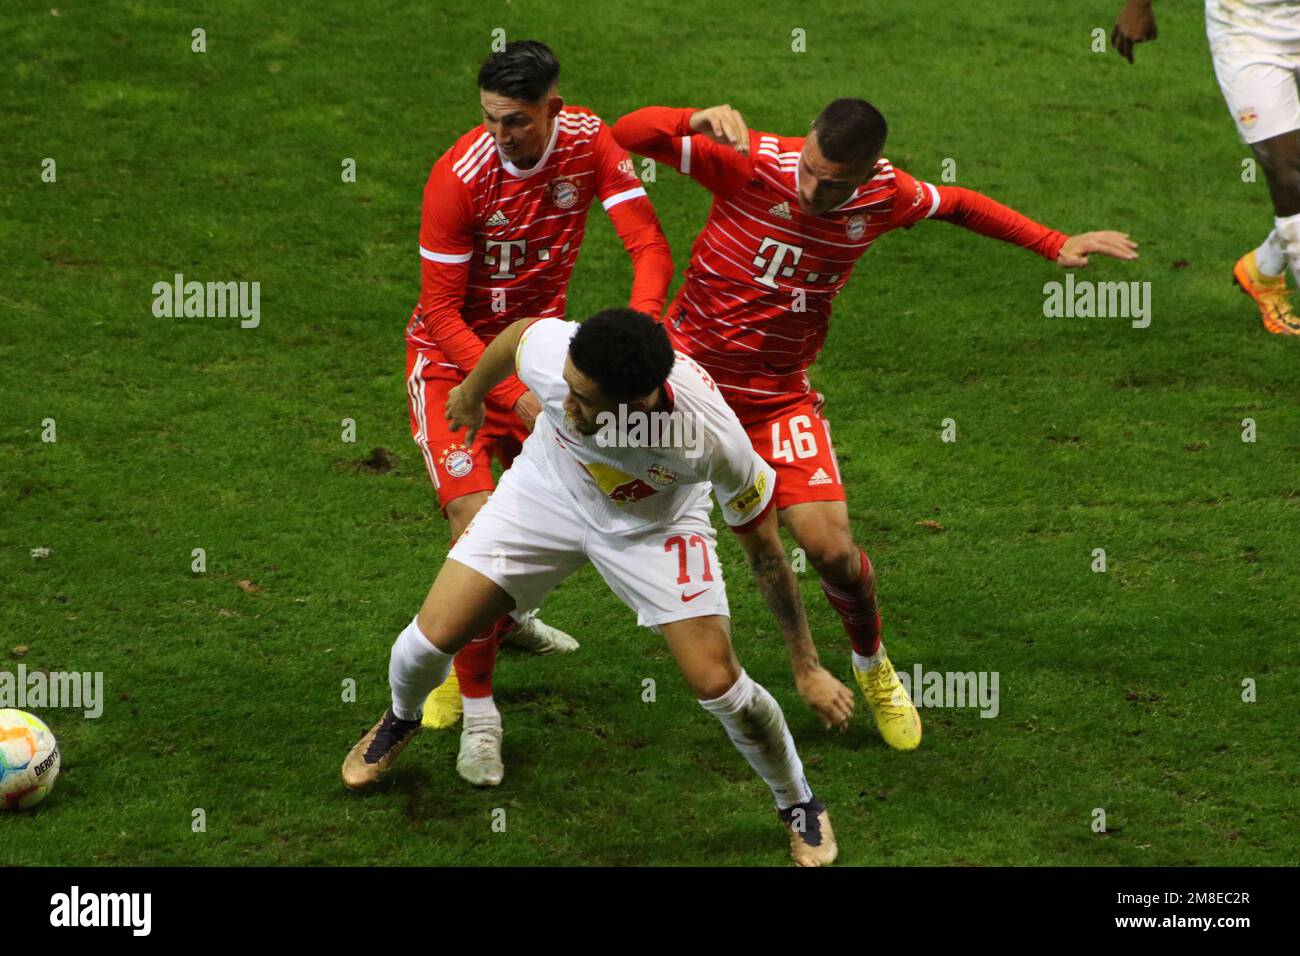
(1255, 45)
(618, 472)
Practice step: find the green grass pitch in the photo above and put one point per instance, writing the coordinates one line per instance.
(1119, 690)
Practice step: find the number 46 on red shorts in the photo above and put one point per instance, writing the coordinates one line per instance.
(797, 443)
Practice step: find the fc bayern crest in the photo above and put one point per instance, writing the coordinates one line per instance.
(457, 461)
(564, 193)
(855, 227)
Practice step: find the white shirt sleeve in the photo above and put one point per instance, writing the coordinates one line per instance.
(540, 355)
(743, 483)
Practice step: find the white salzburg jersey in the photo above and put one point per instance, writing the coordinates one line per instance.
(627, 489)
(1272, 25)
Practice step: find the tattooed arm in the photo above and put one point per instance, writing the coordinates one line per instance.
(830, 699)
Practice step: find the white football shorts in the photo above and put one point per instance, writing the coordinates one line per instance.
(529, 537)
(1260, 89)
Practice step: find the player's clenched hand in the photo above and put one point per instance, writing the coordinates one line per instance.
(1074, 254)
(528, 408)
(723, 125)
(830, 700)
(1136, 23)
(464, 410)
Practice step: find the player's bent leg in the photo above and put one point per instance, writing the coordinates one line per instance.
(1279, 156)
(509, 545)
(479, 760)
(753, 720)
(1261, 273)
(821, 528)
(469, 687)
(530, 633)
(444, 706)
(460, 603)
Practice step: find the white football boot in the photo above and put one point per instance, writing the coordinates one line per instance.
(479, 761)
(537, 637)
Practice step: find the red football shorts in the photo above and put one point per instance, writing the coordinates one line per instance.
(795, 439)
(456, 468)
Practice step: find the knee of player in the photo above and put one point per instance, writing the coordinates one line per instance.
(715, 680)
(1281, 162)
(435, 630)
(834, 554)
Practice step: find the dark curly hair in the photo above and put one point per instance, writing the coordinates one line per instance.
(524, 70)
(625, 352)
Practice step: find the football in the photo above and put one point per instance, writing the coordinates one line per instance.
(29, 760)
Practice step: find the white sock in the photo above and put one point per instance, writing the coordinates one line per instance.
(415, 668)
(1270, 256)
(755, 724)
(1288, 234)
(866, 663)
(480, 706)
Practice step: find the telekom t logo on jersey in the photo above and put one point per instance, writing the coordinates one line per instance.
(776, 262)
(501, 253)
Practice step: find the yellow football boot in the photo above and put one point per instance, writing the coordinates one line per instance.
(1270, 294)
(896, 716)
(442, 708)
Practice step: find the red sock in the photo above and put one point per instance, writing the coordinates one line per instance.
(476, 661)
(857, 609)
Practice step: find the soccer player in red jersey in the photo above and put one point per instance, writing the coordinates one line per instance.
(790, 217)
(504, 214)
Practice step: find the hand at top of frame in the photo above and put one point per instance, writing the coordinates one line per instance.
(1135, 24)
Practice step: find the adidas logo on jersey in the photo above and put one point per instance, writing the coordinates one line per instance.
(820, 478)
(781, 209)
(497, 220)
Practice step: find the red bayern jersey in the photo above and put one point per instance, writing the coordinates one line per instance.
(756, 302)
(498, 243)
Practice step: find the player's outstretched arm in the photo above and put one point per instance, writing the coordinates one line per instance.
(465, 401)
(1135, 24)
(978, 213)
(829, 699)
